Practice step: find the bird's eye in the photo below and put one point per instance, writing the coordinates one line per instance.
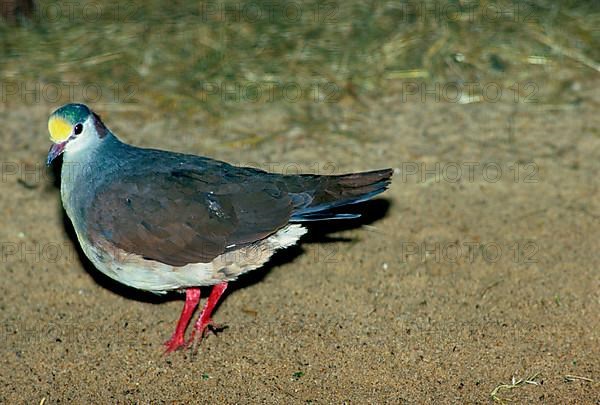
(78, 129)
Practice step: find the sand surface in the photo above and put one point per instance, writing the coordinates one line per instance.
(479, 264)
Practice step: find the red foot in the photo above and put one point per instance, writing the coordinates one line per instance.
(204, 321)
(192, 297)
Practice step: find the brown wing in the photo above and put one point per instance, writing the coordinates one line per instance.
(184, 216)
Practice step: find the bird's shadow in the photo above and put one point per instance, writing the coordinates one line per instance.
(318, 232)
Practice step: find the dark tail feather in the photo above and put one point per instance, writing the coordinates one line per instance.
(314, 196)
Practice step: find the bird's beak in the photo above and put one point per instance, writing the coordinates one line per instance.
(55, 151)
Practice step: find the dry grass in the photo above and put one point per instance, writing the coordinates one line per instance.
(159, 57)
(495, 394)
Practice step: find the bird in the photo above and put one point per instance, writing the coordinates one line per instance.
(163, 221)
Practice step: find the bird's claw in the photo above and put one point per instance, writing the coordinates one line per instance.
(175, 343)
(203, 329)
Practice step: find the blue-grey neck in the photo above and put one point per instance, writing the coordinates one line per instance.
(85, 169)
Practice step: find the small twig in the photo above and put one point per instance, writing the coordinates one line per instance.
(570, 378)
(489, 287)
(514, 384)
(577, 56)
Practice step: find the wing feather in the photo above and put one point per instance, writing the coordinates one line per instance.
(180, 216)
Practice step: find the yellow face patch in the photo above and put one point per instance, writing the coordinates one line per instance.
(59, 129)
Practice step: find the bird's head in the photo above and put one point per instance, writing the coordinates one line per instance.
(73, 127)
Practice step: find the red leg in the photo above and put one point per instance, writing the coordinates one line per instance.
(192, 297)
(204, 320)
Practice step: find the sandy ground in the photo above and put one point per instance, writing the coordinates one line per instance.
(454, 283)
